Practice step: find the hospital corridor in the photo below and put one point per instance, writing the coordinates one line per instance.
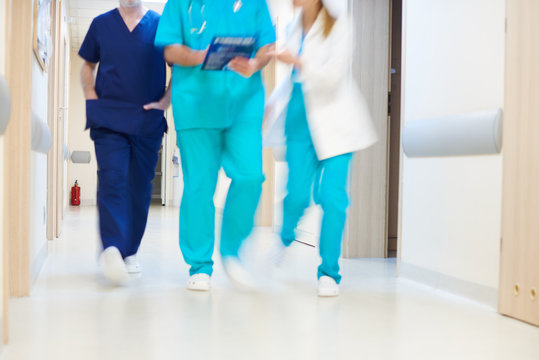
(269, 179)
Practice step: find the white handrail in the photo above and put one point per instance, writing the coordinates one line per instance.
(476, 133)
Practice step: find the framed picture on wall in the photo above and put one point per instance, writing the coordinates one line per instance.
(42, 32)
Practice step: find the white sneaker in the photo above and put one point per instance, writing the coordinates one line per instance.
(199, 282)
(327, 287)
(237, 274)
(132, 265)
(113, 266)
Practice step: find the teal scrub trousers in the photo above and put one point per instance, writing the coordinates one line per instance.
(328, 178)
(238, 149)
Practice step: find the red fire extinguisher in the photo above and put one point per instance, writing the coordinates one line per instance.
(75, 194)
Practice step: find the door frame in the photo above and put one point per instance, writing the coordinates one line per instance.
(17, 143)
(56, 93)
(61, 112)
(519, 269)
(403, 108)
(52, 170)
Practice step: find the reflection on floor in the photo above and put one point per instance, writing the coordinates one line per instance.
(72, 313)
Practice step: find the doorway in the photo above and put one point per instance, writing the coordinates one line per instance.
(373, 221)
(159, 182)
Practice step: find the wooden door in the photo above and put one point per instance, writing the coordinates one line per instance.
(519, 273)
(366, 233)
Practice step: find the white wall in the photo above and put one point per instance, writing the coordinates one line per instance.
(66, 114)
(38, 174)
(454, 63)
(79, 139)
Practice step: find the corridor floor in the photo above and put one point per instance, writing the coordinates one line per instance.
(73, 314)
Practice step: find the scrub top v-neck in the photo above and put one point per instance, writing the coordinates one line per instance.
(131, 73)
(214, 99)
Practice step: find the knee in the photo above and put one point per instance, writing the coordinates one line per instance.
(251, 181)
(197, 193)
(112, 180)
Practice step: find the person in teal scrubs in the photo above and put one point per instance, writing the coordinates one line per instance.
(218, 119)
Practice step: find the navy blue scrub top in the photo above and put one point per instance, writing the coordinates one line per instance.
(131, 73)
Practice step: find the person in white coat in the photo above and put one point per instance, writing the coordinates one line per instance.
(326, 120)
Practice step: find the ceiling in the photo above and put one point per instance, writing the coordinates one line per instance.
(82, 13)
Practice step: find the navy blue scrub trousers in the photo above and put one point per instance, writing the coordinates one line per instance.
(126, 168)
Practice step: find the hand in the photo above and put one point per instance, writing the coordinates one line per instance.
(91, 95)
(157, 105)
(287, 58)
(243, 66)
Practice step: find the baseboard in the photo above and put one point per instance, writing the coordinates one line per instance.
(38, 263)
(483, 294)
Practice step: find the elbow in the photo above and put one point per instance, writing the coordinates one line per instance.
(169, 54)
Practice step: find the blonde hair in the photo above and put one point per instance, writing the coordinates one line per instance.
(329, 21)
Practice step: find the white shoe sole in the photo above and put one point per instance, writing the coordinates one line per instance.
(328, 293)
(133, 269)
(199, 282)
(198, 287)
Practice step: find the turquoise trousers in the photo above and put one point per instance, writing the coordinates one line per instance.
(326, 180)
(203, 152)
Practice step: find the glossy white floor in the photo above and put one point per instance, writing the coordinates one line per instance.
(73, 314)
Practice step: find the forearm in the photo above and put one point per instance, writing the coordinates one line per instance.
(184, 56)
(87, 80)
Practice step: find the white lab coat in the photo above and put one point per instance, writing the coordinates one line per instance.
(338, 115)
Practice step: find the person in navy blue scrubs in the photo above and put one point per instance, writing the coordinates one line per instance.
(125, 114)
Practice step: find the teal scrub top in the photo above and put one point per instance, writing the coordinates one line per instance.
(214, 99)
